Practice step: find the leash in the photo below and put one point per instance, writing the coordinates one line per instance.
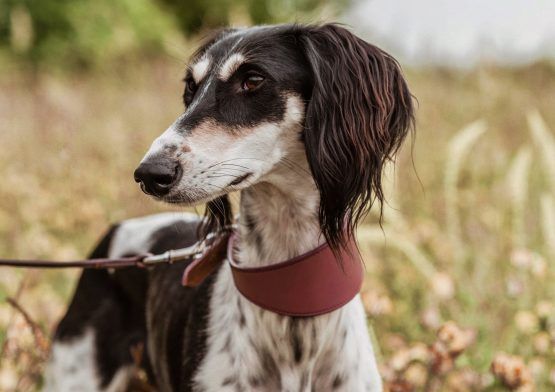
(195, 251)
(314, 283)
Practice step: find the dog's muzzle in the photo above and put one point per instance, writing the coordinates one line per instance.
(157, 175)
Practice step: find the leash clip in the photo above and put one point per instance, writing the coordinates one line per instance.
(172, 256)
(195, 251)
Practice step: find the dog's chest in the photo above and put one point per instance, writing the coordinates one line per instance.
(251, 349)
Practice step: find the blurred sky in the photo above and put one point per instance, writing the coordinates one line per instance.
(459, 32)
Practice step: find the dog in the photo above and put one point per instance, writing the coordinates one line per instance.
(301, 120)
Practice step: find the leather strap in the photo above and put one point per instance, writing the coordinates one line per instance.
(100, 263)
(201, 267)
(311, 284)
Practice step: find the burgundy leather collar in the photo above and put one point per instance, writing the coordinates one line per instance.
(311, 284)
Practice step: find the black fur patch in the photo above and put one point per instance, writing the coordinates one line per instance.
(270, 368)
(274, 54)
(337, 382)
(229, 381)
(180, 319)
(113, 307)
(296, 341)
(242, 320)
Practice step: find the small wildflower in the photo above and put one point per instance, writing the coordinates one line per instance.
(416, 374)
(442, 362)
(530, 261)
(522, 258)
(430, 318)
(539, 266)
(419, 352)
(514, 286)
(443, 286)
(386, 372)
(451, 342)
(526, 322)
(416, 353)
(542, 342)
(464, 380)
(512, 372)
(454, 338)
(376, 304)
(395, 342)
(487, 380)
(537, 366)
(400, 360)
(545, 310)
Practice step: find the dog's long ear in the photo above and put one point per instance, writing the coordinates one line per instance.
(359, 112)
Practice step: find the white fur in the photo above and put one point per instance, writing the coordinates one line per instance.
(134, 236)
(170, 137)
(199, 95)
(72, 368)
(353, 360)
(200, 69)
(231, 65)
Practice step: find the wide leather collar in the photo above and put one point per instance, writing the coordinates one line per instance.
(311, 284)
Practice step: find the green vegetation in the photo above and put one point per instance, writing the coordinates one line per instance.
(76, 34)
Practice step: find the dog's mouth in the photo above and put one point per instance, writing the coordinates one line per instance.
(240, 179)
(176, 193)
(182, 197)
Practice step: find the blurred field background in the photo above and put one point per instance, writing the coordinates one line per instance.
(459, 288)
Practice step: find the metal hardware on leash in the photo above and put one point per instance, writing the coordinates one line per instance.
(172, 256)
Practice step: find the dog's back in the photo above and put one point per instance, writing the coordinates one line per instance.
(99, 341)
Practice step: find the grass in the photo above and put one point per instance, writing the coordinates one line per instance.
(468, 231)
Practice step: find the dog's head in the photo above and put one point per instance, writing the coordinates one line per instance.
(257, 96)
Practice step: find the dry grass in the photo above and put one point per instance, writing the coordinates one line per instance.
(470, 243)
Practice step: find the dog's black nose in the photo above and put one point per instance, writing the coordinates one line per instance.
(158, 175)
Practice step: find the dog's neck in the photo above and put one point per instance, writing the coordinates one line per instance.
(279, 216)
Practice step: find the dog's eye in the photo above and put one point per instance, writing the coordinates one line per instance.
(252, 82)
(190, 89)
(191, 85)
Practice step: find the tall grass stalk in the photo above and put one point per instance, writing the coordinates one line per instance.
(546, 144)
(547, 204)
(459, 146)
(391, 212)
(517, 186)
(375, 235)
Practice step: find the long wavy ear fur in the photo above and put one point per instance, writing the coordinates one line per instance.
(358, 115)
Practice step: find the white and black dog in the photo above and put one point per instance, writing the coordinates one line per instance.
(301, 121)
